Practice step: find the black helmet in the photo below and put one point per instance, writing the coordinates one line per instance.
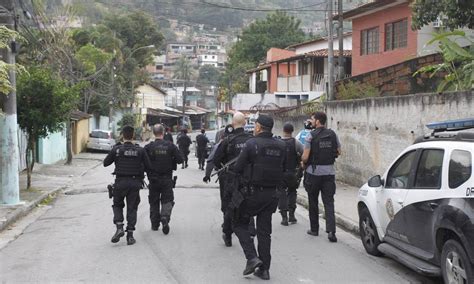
(307, 124)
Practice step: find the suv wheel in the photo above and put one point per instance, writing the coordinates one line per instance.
(368, 233)
(455, 265)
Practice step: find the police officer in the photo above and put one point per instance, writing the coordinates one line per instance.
(262, 164)
(210, 160)
(164, 157)
(131, 161)
(168, 136)
(184, 142)
(321, 149)
(228, 150)
(294, 150)
(201, 151)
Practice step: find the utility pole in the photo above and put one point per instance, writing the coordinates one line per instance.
(9, 152)
(330, 53)
(184, 90)
(340, 30)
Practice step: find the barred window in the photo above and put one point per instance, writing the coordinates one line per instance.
(396, 34)
(369, 41)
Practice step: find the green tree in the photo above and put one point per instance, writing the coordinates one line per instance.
(454, 13)
(276, 30)
(458, 62)
(6, 36)
(44, 104)
(184, 69)
(208, 75)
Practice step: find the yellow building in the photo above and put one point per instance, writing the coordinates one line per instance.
(80, 131)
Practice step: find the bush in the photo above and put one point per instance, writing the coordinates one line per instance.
(356, 90)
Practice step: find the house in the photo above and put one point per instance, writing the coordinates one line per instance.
(80, 130)
(151, 106)
(296, 74)
(383, 36)
(157, 68)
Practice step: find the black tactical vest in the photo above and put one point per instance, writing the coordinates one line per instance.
(236, 144)
(323, 147)
(292, 159)
(161, 157)
(267, 167)
(128, 160)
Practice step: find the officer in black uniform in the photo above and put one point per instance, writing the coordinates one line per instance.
(262, 164)
(168, 136)
(131, 161)
(228, 149)
(201, 151)
(164, 157)
(294, 150)
(210, 160)
(321, 149)
(184, 142)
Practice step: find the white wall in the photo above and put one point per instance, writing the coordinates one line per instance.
(347, 44)
(244, 101)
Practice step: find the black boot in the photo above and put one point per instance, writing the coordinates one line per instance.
(182, 167)
(284, 217)
(262, 274)
(292, 218)
(118, 234)
(155, 227)
(166, 226)
(186, 164)
(227, 240)
(130, 238)
(332, 237)
(252, 264)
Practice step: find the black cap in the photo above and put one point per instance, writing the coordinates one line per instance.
(265, 120)
(288, 127)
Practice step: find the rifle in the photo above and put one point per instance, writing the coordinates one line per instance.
(226, 166)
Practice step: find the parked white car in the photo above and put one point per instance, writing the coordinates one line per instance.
(100, 140)
(421, 211)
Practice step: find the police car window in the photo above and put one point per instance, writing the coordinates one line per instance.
(428, 173)
(398, 175)
(460, 168)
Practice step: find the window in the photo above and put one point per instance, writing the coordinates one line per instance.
(460, 168)
(159, 67)
(396, 34)
(369, 41)
(303, 66)
(398, 175)
(428, 174)
(205, 56)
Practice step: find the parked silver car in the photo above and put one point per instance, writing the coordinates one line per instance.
(100, 140)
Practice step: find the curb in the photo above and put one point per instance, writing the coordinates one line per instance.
(341, 221)
(23, 210)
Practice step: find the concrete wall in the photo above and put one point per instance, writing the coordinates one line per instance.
(374, 131)
(52, 148)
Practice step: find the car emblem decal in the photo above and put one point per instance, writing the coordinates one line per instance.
(389, 207)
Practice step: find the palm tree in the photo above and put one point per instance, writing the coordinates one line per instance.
(183, 71)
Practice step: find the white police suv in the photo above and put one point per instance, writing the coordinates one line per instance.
(421, 211)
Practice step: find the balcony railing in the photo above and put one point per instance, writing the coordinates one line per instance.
(303, 83)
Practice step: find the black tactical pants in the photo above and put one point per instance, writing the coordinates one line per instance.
(160, 193)
(225, 188)
(126, 189)
(327, 186)
(262, 204)
(288, 196)
(184, 154)
(201, 155)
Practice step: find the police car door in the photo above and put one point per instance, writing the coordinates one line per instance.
(391, 197)
(430, 189)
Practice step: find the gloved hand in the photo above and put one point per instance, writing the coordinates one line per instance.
(206, 179)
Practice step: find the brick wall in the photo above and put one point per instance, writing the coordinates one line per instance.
(397, 80)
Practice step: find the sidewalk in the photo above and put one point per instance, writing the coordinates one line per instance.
(47, 181)
(345, 206)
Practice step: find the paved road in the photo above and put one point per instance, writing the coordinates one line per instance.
(70, 241)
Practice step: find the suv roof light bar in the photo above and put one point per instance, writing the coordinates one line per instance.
(451, 125)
